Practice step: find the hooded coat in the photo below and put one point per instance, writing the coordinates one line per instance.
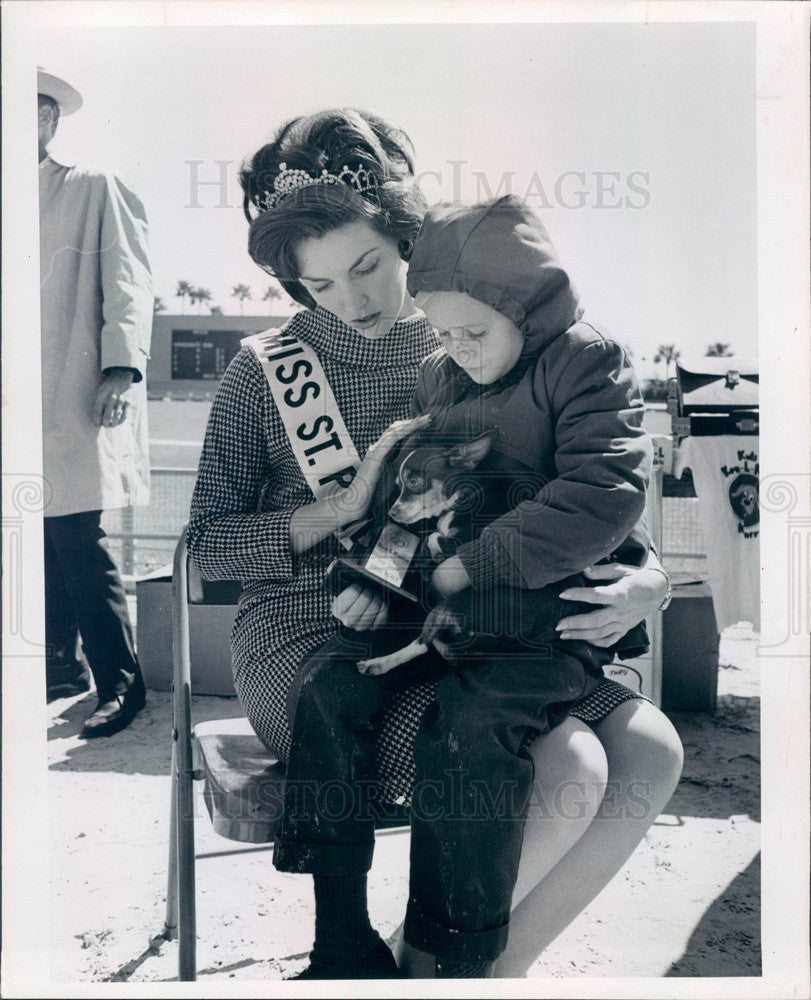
(570, 409)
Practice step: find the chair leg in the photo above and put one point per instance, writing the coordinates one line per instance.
(187, 925)
(169, 932)
(184, 801)
(170, 924)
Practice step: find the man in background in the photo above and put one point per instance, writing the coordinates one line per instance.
(97, 306)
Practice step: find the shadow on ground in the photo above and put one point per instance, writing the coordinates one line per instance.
(726, 941)
(721, 780)
(144, 747)
(721, 774)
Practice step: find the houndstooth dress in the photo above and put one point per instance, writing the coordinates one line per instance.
(249, 483)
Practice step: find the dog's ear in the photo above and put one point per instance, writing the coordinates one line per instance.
(469, 454)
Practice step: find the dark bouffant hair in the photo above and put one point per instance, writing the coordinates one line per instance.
(331, 139)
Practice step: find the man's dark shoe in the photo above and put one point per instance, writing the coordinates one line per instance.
(66, 681)
(112, 716)
(378, 964)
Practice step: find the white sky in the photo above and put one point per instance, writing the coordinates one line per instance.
(672, 101)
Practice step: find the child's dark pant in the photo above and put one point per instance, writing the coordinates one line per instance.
(473, 778)
(474, 784)
(331, 784)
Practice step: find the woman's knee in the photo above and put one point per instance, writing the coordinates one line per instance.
(571, 770)
(644, 752)
(667, 757)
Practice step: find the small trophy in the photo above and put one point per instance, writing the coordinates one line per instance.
(386, 561)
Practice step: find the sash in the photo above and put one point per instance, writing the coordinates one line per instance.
(320, 441)
(306, 403)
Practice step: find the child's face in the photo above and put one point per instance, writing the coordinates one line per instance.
(479, 339)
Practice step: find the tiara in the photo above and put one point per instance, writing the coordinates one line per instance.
(289, 180)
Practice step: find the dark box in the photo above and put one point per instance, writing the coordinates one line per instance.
(690, 651)
(209, 639)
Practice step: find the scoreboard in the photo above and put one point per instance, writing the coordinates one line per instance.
(190, 354)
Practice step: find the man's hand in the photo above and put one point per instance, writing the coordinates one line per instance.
(360, 608)
(113, 398)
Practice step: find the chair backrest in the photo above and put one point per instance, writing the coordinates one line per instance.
(210, 641)
(202, 591)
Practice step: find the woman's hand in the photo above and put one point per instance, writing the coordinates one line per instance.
(360, 608)
(627, 595)
(359, 493)
(449, 578)
(393, 433)
(341, 506)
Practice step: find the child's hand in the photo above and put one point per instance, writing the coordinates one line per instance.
(449, 578)
(626, 595)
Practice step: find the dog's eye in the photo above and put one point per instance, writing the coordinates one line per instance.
(413, 481)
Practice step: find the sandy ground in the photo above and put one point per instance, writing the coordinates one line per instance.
(686, 903)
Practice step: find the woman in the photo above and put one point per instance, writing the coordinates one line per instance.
(334, 212)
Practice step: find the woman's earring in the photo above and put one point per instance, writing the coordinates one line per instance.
(406, 248)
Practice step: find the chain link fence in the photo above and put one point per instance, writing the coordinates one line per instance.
(143, 539)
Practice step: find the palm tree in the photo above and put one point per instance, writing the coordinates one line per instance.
(271, 295)
(668, 354)
(184, 289)
(215, 310)
(159, 306)
(193, 295)
(718, 350)
(203, 295)
(241, 292)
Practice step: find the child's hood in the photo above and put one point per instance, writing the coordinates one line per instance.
(500, 253)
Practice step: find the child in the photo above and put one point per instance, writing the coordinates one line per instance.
(565, 404)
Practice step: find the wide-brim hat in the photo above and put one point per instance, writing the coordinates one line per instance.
(68, 98)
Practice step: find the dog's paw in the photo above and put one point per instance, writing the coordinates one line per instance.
(376, 666)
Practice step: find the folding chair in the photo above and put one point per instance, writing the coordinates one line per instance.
(243, 782)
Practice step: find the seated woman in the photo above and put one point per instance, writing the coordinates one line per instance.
(255, 517)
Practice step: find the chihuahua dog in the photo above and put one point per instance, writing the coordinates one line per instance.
(430, 480)
(447, 494)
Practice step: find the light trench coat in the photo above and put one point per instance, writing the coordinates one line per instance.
(97, 308)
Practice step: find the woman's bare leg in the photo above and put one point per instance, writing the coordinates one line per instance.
(644, 757)
(570, 775)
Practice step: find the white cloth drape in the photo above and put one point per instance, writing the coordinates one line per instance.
(726, 475)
